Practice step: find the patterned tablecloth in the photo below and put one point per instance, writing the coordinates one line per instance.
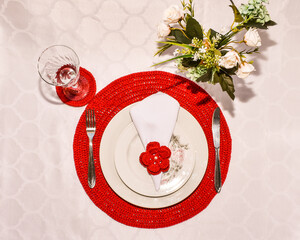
(40, 194)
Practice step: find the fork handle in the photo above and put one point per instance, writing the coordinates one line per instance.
(91, 167)
(218, 182)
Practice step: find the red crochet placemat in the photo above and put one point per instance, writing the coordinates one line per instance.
(92, 85)
(123, 92)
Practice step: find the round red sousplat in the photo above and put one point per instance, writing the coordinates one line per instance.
(128, 90)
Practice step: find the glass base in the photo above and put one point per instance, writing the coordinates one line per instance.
(78, 91)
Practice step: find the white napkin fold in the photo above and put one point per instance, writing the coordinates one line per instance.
(154, 118)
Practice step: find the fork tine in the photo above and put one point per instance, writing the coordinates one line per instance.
(89, 118)
(86, 118)
(94, 119)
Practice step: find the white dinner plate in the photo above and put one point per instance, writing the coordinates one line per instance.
(189, 132)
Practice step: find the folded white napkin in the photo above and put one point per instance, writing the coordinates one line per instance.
(155, 118)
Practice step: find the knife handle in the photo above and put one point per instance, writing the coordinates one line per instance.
(218, 181)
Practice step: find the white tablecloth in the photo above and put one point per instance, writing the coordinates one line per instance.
(40, 194)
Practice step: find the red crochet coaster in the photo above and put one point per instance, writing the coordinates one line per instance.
(123, 92)
(92, 84)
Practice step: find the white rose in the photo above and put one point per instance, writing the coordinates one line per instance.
(173, 14)
(252, 38)
(230, 59)
(163, 30)
(244, 70)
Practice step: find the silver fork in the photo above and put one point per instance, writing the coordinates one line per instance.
(90, 130)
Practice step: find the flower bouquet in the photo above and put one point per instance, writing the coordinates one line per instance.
(210, 56)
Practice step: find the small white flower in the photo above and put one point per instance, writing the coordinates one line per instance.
(195, 41)
(196, 56)
(230, 59)
(176, 52)
(173, 14)
(252, 38)
(203, 49)
(163, 30)
(244, 70)
(217, 37)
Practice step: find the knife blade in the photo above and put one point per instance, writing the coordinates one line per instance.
(216, 138)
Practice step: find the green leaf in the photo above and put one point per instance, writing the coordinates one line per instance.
(163, 48)
(225, 39)
(187, 17)
(215, 78)
(254, 24)
(174, 58)
(230, 71)
(226, 83)
(180, 36)
(189, 62)
(205, 77)
(177, 44)
(251, 51)
(270, 23)
(193, 29)
(222, 38)
(212, 33)
(237, 15)
(223, 52)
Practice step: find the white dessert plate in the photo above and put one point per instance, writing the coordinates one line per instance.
(135, 176)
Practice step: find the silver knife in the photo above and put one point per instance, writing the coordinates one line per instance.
(216, 137)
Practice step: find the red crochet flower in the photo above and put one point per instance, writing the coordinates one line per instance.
(156, 158)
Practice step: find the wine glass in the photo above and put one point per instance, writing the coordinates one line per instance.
(59, 66)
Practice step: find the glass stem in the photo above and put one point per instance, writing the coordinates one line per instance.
(74, 84)
(73, 87)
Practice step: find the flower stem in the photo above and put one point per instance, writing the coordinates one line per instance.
(237, 41)
(179, 22)
(231, 27)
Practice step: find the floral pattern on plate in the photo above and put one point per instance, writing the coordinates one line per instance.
(176, 160)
